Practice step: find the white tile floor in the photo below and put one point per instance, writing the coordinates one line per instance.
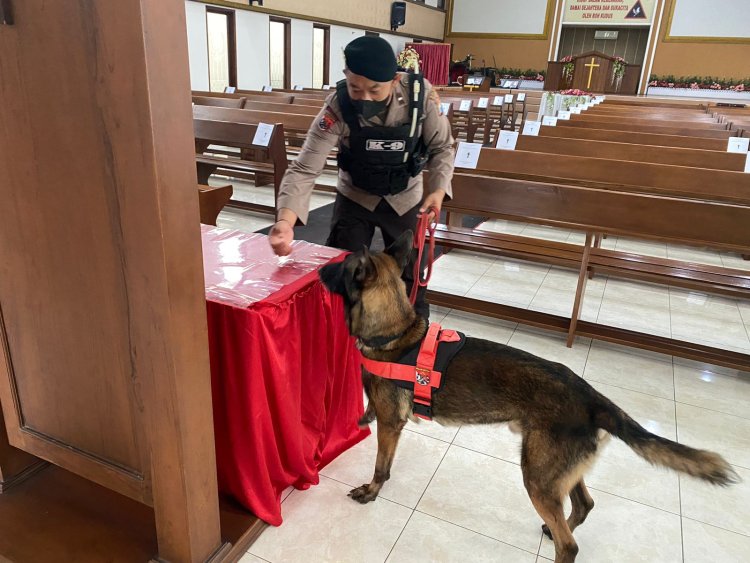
(456, 494)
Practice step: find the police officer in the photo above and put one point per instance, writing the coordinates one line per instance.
(387, 126)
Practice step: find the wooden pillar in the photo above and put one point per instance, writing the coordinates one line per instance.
(105, 367)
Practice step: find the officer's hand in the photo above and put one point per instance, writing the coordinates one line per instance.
(435, 199)
(281, 237)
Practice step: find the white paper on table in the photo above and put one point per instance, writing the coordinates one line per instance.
(562, 114)
(498, 101)
(508, 98)
(521, 97)
(747, 163)
(326, 86)
(482, 103)
(465, 105)
(263, 134)
(549, 121)
(738, 144)
(507, 140)
(531, 128)
(266, 89)
(445, 107)
(467, 155)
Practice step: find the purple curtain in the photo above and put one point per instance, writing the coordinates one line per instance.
(435, 61)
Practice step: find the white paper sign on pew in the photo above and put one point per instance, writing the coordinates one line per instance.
(498, 101)
(508, 98)
(263, 134)
(230, 89)
(465, 105)
(747, 163)
(549, 121)
(738, 144)
(521, 97)
(445, 107)
(467, 155)
(266, 89)
(326, 86)
(575, 110)
(507, 140)
(482, 103)
(531, 128)
(562, 114)
(298, 87)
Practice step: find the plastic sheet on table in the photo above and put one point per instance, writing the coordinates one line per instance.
(241, 269)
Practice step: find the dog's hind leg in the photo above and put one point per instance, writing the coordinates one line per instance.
(388, 435)
(582, 505)
(545, 470)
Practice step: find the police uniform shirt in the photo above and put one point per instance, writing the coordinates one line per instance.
(329, 129)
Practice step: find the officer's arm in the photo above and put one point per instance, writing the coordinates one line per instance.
(298, 182)
(436, 132)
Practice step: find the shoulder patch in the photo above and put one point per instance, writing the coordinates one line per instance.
(327, 121)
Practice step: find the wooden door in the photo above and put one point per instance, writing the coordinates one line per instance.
(103, 346)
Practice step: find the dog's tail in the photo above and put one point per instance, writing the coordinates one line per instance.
(703, 464)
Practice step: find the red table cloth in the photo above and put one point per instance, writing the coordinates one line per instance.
(286, 383)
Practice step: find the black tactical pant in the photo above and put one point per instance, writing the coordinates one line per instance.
(353, 227)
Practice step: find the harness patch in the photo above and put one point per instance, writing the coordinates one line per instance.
(384, 145)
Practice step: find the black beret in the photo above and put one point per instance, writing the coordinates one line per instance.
(371, 57)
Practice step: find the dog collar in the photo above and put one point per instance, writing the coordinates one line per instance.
(381, 341)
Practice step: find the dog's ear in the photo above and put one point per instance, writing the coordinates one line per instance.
(365, 267)
(332, 276)
(401, 249)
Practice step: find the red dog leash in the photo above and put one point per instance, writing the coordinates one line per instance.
(424, 226)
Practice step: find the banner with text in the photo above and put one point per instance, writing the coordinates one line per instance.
(610, 12)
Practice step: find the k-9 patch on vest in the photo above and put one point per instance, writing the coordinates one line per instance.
(385, 145)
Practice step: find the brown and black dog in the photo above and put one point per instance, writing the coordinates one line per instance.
(561, 417)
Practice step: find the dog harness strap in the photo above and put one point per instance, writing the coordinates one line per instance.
(423, 376)
(424, 379)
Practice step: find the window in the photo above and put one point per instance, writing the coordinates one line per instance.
(281, 53)
(222, 53)
(321, 55)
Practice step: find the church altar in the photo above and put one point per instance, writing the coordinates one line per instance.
(594, 72)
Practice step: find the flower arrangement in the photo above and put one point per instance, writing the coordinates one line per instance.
(518, 74)
(618, 67)
(568, 67)
(574, 92)
(408, 59)
(700, 83)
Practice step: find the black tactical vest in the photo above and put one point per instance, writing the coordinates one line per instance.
(381, 160)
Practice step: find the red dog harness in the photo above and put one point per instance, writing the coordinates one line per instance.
(423, 376)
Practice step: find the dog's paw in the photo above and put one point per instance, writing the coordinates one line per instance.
(363, 494)
(546, 532)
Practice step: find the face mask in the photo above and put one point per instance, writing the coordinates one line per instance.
(369, 109)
